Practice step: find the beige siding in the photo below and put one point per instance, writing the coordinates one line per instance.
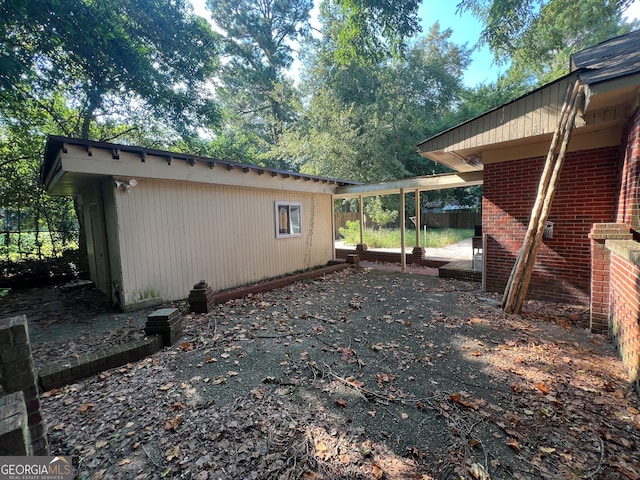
(173, 234)
(531, 115)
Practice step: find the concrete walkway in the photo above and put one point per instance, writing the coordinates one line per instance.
(456, 251)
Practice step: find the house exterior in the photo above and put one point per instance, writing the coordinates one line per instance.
(158, 222)
(590, 254)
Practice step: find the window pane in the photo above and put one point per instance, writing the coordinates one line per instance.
(283, 219)
(296, 221)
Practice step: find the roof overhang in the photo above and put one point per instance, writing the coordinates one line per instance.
(524, 127)
(72, 165)
(420, 184)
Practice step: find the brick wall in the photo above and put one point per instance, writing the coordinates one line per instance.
(586, 194)
(18, 375)
(624, 308)
(628, 210)
(624, 268)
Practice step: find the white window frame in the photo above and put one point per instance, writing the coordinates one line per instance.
(283, 212)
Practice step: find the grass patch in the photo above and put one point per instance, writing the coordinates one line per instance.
(390, 238)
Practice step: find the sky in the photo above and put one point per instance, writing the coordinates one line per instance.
(465, 29)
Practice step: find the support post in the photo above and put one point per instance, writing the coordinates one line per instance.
(361, 246)
(403, 257)
(417, 218)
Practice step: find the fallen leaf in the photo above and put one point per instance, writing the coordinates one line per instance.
(99, 475)
(513, 443)
(542, 387)
(124, 461)
(457, 398)
(173, 423)
(516, 388)
(354, 382)
(101, 444)
(404, 416)
(310, 476)
(188, 346)
(166, 386)
(175, 406)
(342, 403)
(50, 393)
(479, 472)
(85, 407)
(377, 471)
(547, 450)
(172, 453)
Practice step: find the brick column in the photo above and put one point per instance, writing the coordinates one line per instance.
(18, 374)
(417, 254)
(600, 268)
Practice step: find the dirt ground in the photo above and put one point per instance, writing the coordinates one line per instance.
(369, 375)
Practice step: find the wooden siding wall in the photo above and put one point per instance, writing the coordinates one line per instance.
(535, 114)
(173, 234)
(586, 194)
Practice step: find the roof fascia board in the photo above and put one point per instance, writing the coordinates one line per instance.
(57, 143)
(431, 182)
(101, 163)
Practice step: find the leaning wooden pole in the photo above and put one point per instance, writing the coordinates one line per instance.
(516, 272)
(516, 289)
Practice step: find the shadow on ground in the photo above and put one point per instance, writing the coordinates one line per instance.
(359, 375)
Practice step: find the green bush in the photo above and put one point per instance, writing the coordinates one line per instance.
(390, 238)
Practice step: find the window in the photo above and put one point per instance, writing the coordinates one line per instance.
(288, 219)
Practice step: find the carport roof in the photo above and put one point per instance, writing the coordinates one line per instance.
(424, 183)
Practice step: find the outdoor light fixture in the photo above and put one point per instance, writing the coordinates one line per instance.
(126, 185)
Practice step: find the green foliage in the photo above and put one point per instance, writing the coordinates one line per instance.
(258, 44)
(108, 54)
(4, 292)
(380, 215)
(132, 70)
(372, 30)
(362, 122)
(536, 38)
(390, 238)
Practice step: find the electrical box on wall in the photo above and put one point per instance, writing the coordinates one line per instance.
(548, 231)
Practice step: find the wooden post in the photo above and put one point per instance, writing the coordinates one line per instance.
(361, 207)
(417, 218)
(518, 283)
(403, 256)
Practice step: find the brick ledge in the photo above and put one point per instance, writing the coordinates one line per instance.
(627, 249)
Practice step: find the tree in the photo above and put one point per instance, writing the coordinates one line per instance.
(258, 43)
(372, 30)
(362, 122)
(537, 37)
(102, 69)
(102, 56)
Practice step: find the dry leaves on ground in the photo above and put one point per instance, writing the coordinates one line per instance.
(361, 375)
